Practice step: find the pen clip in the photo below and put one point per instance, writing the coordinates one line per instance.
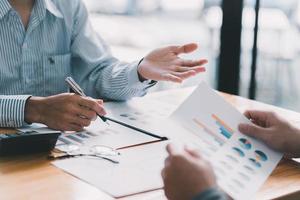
(74, 86)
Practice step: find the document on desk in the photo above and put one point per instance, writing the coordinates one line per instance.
(147, 111)
(138, 171)
(99, 133)
(207, 122)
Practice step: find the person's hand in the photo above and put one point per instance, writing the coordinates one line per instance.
(65, 112)
(274, 131)
(164, 64)
(186, 174)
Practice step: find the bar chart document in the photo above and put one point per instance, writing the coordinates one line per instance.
(99, 133)
(209, 123)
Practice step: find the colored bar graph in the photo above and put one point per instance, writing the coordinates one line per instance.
(225, 130)
(207, 130)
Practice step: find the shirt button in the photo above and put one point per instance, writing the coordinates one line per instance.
(51, 60)
(13, 13)
(25, 46)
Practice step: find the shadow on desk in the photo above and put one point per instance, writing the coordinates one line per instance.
(14, 164)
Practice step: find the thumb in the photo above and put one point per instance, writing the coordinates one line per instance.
(253, 130)
(172, 149)
(187, 48)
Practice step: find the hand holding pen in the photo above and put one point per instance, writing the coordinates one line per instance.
(64, 112)
(77, 90)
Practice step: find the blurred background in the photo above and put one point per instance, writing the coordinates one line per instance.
(134, 27)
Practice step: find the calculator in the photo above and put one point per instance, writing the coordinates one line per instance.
(27, 142)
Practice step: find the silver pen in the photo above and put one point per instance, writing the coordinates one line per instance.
(77, 89)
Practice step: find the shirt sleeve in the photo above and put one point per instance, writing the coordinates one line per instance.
(12, 110)
(211, 194)
(97, 71)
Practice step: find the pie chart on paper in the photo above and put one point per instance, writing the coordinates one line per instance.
(260, 156)
(245, 144)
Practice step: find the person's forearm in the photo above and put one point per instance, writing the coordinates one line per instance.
(96, 70)
(12, 109)
(115, 81)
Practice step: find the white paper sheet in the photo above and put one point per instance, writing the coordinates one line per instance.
(139, 170)
(209, 123)
(99, 133)
(147, 111)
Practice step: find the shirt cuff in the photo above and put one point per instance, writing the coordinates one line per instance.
(211, 194)
(12, 109)
(134, 80)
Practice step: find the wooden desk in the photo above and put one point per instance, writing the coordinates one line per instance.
(33, 177)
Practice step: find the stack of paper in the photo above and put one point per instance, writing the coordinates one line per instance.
(206, 121)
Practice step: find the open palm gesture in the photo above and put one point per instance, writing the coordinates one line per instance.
(164, 64)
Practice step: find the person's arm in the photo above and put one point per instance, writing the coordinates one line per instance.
(12, 109)
(102, 75)
(94, 67)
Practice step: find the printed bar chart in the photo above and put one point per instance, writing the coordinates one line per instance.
(224, 128)
(217, 137)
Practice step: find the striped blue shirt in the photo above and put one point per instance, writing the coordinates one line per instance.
(58, 42)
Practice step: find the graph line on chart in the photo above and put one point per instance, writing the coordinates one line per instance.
(225, 130)
(217, 137)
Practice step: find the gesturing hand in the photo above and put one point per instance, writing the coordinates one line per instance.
(186, 174)
(274, 131)
(66, 112)
(164, 64)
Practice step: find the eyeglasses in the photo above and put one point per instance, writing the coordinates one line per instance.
(98, 151)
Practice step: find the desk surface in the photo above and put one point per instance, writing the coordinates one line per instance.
(33, 177)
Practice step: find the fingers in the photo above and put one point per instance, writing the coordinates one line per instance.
(187, 48)
(80, 121)
(197, 69)
(254, 131)
(193, 63)
(261, 118)
(185, 72)
(95, 105)
(192, 152)
(85, 112)
(184, 75)
(171, 77)
(73, 127)
(172, 150)
(256, 114)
